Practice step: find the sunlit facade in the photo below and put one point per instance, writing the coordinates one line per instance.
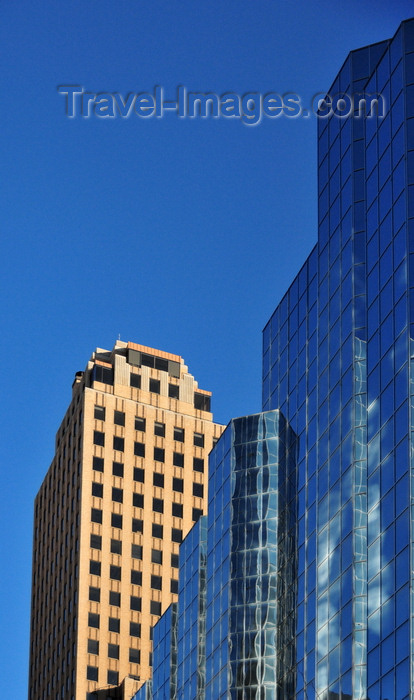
(127, 483)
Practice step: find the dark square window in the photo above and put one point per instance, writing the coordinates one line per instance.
(198, 439)
(119, 418)
(177, 510)
(115, 599)
(92, 673)
(201, 402)
(138, 500)
(173, 391)
(135, 603)
(135, 380)
(140, 424)
(158, 479)
(136, 577)
(156, 582)
(103, 374)
(93, 646)
(116, 520)
(198, 464)
(117, 495)
(178, 459)
(197, 513)
(174, 585)
(95, 567)
(116, 546)
(158, 505)
(135, 629)
(137, 525)
(99, 412)
(119, 443)
(139, 449)
(157, 530)
(113, 624)
(159, 429)
(113, 651)
(117, 469)
(96, 515)
(147, 360)
(98, 464)
(115, 572)
(176, 534)
(198, 490)
(179, 434)
(93, 620)
(161, 363)
(159, 454)
(97, 489)
(113, 677)
(134, 656)
(95, 594)
(215, 440)
(154, 386)
(156, 556)
(155, 607)
(139, 474)
(174, 561)
(96, 542)
(136, 551)
(98, 438)
(178, 484)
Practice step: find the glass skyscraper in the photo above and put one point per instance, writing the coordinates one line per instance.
(236, 584)
(310, 575)
(249, 553)
(338, 363)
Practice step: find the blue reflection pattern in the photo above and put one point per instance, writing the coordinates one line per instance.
(336, 359)
(164, 679)
(233, 632)
(192, 613)
(145, 692)
(251, 560)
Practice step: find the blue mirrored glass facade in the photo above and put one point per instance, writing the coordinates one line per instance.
(164, 676)
(145, 692)
(191, 658)
(251, 560)
(233, 634)
(164, 679)
(337, 363)
(306, 590)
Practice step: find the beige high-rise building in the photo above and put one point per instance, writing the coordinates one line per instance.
(128, 481)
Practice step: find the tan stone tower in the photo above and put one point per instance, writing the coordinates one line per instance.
(128, 481)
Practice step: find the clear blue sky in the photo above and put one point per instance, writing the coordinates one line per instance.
(175, 233)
